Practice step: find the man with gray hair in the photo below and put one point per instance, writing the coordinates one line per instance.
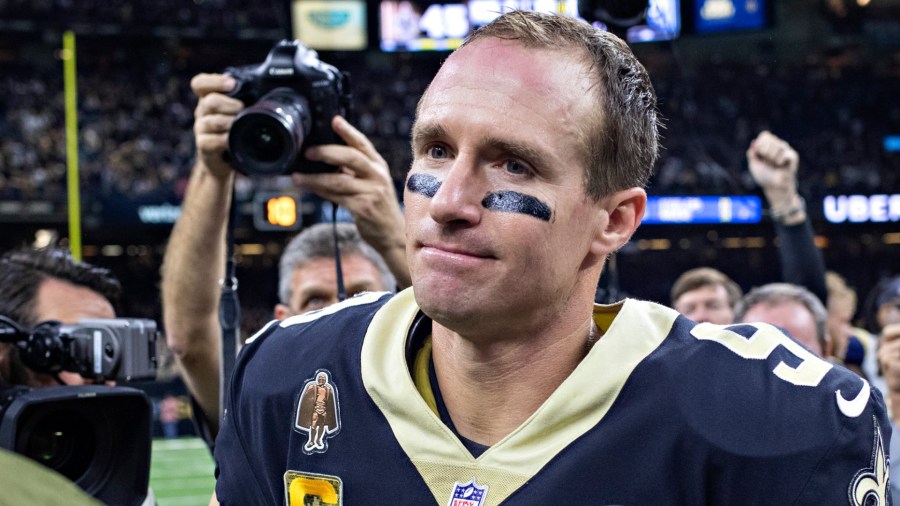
(790, 307)
(307, 274)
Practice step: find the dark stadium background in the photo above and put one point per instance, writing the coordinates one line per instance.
(827, 83)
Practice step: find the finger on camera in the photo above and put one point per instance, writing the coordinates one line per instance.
(214, 123)
(330, 184)
(342, 156)
(203, 84)
(217, 103)
(352, 136)
(211, 142)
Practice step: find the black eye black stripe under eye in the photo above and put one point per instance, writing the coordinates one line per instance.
(423, 184)
(504, 201)
(515, 202)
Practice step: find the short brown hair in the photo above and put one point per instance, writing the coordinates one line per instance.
(705, 276)
(621, 143)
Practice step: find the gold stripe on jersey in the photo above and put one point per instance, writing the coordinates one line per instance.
(575, 407)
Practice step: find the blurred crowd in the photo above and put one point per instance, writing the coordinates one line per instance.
(206, 17)
(135, 120)
(836, 111)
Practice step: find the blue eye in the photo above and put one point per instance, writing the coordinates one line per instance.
(514, 167)
(437, 152)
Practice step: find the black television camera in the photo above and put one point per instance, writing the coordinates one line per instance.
(121, 349)
(97, 436)
(296, 95)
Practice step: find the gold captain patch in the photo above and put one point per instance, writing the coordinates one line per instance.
(309, 489)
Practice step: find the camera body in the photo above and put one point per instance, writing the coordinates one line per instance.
(292, 97)
(122, 349)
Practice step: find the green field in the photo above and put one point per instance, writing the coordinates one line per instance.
(181, 472)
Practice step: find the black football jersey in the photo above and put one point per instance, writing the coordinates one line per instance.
(322, 409)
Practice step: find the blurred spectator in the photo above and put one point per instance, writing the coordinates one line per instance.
(850, 344)
(884, 312)
(169, 416)
(706, 295)
(773, 165)
(790, 307)
(883, 320)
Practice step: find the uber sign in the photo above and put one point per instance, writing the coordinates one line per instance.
(862, 208)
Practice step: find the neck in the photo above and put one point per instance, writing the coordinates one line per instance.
(490, 387)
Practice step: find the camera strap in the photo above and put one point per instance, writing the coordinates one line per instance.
(341, 291)
(229, 308)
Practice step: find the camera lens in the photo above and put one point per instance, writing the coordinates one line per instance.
(64, 443)
(96, 436)
(266, 138)
(265, 142)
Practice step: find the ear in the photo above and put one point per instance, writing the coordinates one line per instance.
(624, 211)
(282, 312)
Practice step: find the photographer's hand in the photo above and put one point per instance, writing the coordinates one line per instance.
(213, 116)
(195, 256)
(363, 186)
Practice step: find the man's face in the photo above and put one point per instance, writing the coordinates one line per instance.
(497, 218)
(62, 301)
(789, 315)
(889, 312)
(707, 304)
(315, 283)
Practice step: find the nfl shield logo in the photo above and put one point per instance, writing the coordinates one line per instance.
(468, 494)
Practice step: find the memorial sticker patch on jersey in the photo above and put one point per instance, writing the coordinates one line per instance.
(318, 412)
(872, 483)
(468, 494)
(309, 489)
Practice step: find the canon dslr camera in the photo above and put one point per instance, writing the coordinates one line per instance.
(294, 96)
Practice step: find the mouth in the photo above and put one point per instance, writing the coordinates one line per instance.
(455, 251)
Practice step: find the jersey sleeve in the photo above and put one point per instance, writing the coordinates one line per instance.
(855, 470)
(814, 432)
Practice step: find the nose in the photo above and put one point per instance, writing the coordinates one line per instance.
(458, 200)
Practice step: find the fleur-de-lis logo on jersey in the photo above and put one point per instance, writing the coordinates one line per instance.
(872, 483)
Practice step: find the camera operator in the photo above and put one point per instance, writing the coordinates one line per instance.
(37, 285)
(195, 257)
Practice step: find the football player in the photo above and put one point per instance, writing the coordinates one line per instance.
(495, 379)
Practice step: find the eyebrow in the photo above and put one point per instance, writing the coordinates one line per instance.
(518, 150)
(423, 133)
